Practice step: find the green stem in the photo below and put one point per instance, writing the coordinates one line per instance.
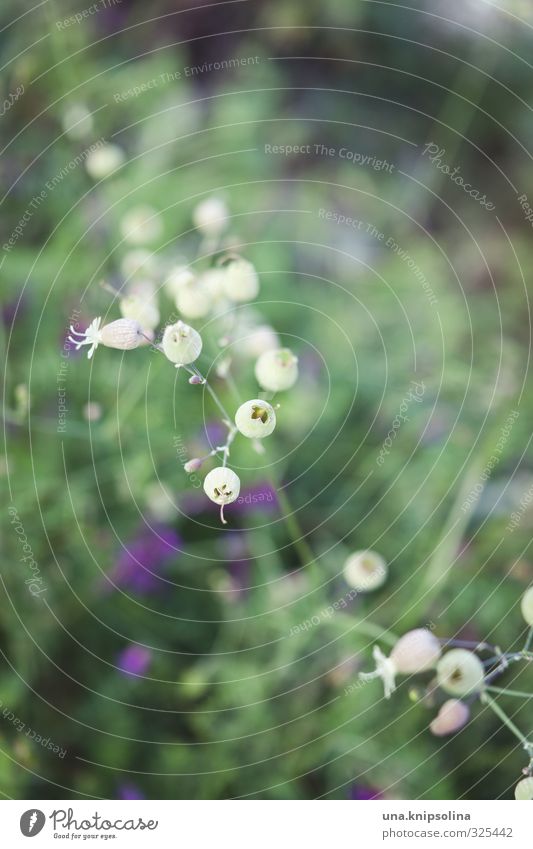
(504, 692)
(529, 640)
(507, 721)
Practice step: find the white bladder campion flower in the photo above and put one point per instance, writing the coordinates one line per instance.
(222, 486)
(240, 281)
(451, 717)
(277, 370)
(77, 121)
(178, 276)
(257, 340)
(460, 672)
(210, 216)
(181, 343)
(141, 225)
(193, 300)
(138, 261)
(255, 419)
(524, 789)
(526, 606)
(123, 334)
(143, 310)
(102, 161)
(365, 571)
(417, 651)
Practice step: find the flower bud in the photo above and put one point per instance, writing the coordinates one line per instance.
(178, 276)
(240, 281)
(181, 343)
(138, 261)
(524, 789)
(526, 606)
(417, 651)
(141, 225)
(258, 340)
(102, 161)
(192, 300)
(123, 334)
(450, 718)
(255, 419)
(195, 380)
(222, 486)
(142, 310)
(77, 121)
(460, 672)
(193, 465)
(365, 571)
(277, 370)
(210, 216)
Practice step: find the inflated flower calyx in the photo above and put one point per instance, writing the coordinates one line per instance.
(178, 276)
(123, 334)
(526, 606)
(524, 789)
(417, 651)
(460, 672)
(181, 343)
(210, 216)
(143, 310)
(277, 370)
(255, 419)
(141, 225)
(450, 718)
(222, 486)
(105, 159)
(193, 300)
(240, 282)
(365, 571)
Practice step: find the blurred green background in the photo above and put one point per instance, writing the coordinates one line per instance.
(227, 703)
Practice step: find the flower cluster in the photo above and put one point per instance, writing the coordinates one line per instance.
(460, 675)
(220, 292)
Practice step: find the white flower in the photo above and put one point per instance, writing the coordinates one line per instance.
(258, 340)
(192, 300)
(417, 651)
(222, 486)
(450, 718)
(92, 411)
(365, 571)
(178, 276)
(136, 262)
(77, 121)
(181, 344)
(240, 281)
(460, 672)
(385, 669)
(123, 334)
(143, 310)
(210, 216)
(526, 606)
(102, 161)
(524, 789)
(255, 419)
(141, 225)
(277, 370)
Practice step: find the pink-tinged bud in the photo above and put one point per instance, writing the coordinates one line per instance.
(193, 465)
(196, 379)
(450, 718)
(415, 652)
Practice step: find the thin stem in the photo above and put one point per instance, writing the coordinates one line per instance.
(507, 721)
(529, 640)
(519, 694)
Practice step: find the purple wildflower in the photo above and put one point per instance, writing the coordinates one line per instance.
(134, 660)
(143, 559)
